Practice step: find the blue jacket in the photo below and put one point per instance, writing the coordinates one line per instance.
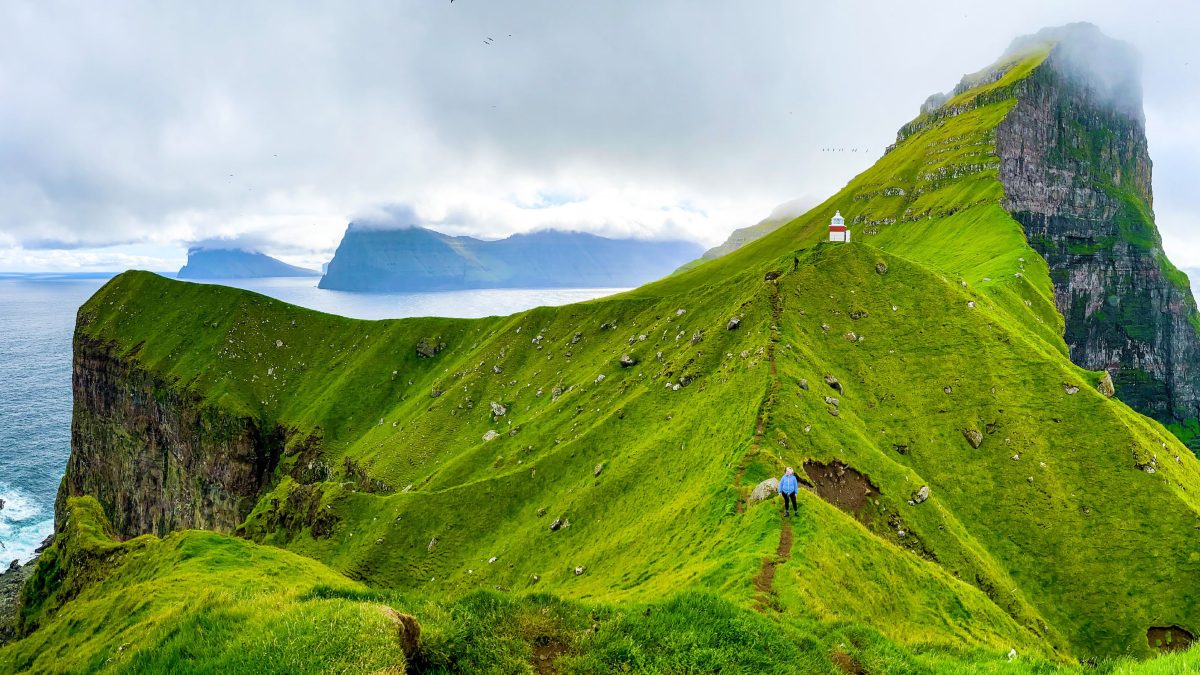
(788, 484)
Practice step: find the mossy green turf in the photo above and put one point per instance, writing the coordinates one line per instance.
(1048, 538)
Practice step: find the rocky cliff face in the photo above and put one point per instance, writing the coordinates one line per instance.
(158, 461)
(1076, 173)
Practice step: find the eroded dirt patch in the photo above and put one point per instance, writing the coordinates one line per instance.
(841, 485)
(1169, 639)
(545, 654)
(846, 663)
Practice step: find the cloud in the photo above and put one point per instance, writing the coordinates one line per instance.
(165, 124)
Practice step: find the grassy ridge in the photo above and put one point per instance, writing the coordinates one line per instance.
(938, 323)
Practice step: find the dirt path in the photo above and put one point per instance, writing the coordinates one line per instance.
(764, 582)
(764, 409)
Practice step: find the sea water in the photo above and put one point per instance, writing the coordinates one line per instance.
(37, 317)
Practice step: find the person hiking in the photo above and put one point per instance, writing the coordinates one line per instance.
(787, 487)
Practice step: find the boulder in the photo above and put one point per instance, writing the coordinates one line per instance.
(804, 384)
(1105, 387)
(973, 437)
(498, 409)
(880, 268)
(834, 384)
(733, 324)
(599, 468)
(628, 361)
(764, 490)
(491, 435)
(921, 495)
(428, 348)
(579, 570)
(556, 525)
(1070, 389)
(831, 400)
(851, 337)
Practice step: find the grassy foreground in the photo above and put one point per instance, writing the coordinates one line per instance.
(202, 602)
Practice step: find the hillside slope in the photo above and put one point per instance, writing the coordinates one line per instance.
(970, 489)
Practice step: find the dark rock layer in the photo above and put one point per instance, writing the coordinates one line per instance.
(1077, 176)
(157, 460)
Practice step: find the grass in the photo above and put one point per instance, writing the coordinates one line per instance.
(939, 321)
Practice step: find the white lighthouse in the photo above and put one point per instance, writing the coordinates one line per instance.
(837, 229)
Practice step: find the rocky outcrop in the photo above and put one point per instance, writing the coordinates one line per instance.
(1076, 174)
(157, 460)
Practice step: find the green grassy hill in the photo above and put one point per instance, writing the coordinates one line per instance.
(574, 483)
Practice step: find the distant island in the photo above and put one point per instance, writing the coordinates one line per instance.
(232, 263)
(378, 259)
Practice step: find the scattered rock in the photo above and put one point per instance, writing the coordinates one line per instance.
(628, 361)
(804, 384)
(432, 542)
(831, 400)
(492, 560)
(498, 410)
(1070, 389)
(576, 338)
(534, 579)
(680, 312)
(859, 314)
(556, 525)
(770, 276)
(598, 469)
(697, 337)
(825, 327)
(733, 324)
(541, 512)
(599, 378)
(579, 569)
(435, 392)
(490, 435)
(1016, 457)
(880, 268)
(834, 384)
(948, 390)
(608, 325)
(973, 437)
(971, 304)
(900, 448)
(851, 337)
(764, 490)
(497, 369)
(1105, 387)
(833, 411)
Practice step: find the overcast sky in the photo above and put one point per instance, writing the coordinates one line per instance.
(129, 131)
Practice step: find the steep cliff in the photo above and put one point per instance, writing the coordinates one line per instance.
(1076, 173)
(159, 460)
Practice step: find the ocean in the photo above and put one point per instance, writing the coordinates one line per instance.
(37, 317)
